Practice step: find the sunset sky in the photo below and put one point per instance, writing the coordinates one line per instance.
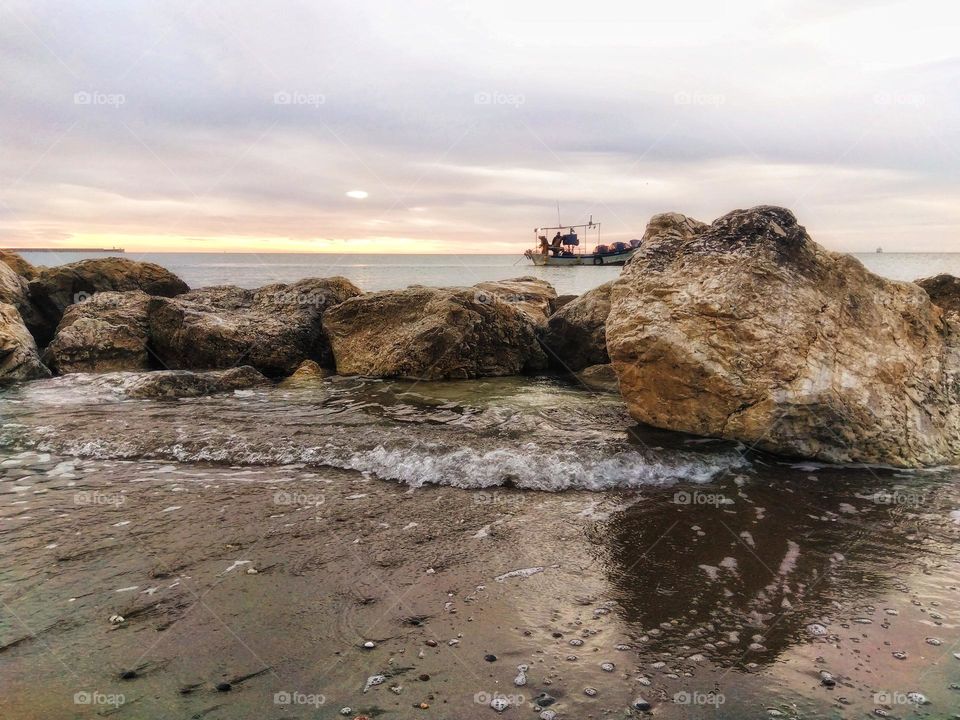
(419, 127)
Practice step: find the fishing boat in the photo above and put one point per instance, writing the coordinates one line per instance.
(569, 246)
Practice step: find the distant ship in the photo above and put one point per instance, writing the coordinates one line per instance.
(565, 248)
(879, 249)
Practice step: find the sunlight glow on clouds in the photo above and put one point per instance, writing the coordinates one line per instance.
(239, 125)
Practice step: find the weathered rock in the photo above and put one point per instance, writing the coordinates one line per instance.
(575, 335)
(751, 331)
(432, 333)
(530, 295)
(944, 291)
(561, 301)
(16, 263)
(169, 384)
(14, 290)
(672, 224)
(273, 329)
(105, 333)
(600, 378)
(54, 289)
(309, 371)
(19, 359)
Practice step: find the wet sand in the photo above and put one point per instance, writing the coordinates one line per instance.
(718, 600)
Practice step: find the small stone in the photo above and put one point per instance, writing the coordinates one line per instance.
(116, 619)
(224, 687)
(590, 692)
(826, 679)
(431, 643)
(544, 700)
(423, 706)
(453, 642)
(369, 645)
(490, 658)
(899, 654)
(500, 703)
(607, 667)
(251, 571)
(934, 641)
(548, 715)
(640, 704)
(424, 677)
(128, 674)
(346, 710)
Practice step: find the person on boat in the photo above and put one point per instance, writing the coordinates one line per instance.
(555, 246)
(544, 245)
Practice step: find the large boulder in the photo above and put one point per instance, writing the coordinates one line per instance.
(433, 333)
(530, 295)
(55, 288)
(18, 264)
(105, 333)
(673, 224)
(14, 291)
(575, 336)
(273, 329)
(19, 359)
(944, 291)
(173, 384)
(599, 378)
(751, 331)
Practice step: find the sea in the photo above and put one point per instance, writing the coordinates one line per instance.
(390, 272)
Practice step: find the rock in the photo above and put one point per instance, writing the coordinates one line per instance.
(674, 225)
(575, 336)
(530, 295)
(641, 704)
(561, 301)
(751, 331)
(19, 359)
(308, 371)
(599, 378)
(944, 291)
(16, 263)
(14, 290)
(274, 329)
(54, 289)
(105, 333)
(169, 384)
(432, 334)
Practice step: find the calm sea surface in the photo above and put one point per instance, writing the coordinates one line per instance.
(388, 272)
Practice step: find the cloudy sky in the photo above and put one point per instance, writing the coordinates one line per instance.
(457, 126)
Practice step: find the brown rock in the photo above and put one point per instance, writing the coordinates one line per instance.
(18, 351)
(309, 371)
(14, 290)
(171, 384)
(561, 301)
(274, 329)
(751, 331)
(944, 291)
(600, 378)
(16, 263)
(530, 295)
(54, 289)
(575, 335)
(105, 333)
(433, 333)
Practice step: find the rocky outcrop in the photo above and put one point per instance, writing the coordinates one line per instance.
(599, 378)
(18, 351)
(16, 263)
(105, 333)
(530, 295)
(172, 384)
(433, 333)
(14, 290)
(674, 225)
(309, 371)
(273, 329)
(561, 301)
(575, 336)
(944, 291)
(56, 288)
(749, 330)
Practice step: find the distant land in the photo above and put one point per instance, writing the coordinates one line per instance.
(61, 249)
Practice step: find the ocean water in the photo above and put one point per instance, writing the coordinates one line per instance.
(389, 272)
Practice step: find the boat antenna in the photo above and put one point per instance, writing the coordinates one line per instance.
(558, 212)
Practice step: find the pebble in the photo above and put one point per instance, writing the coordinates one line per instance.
(490, 658)
(544, 700)
(346, 710)
(917, 698)
(369, 644)
(224, 687)
(431, 643)
(934, 641)
(826, 679)
(424, 677)
(128, 674)
(900, 655)
(641, 704)
(548, 715)
(500, 703)
(374, 680)
(607, 667)
(116, 619)
(590, 692)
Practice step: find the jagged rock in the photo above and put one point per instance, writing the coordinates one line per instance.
(561, 301)
(16, 263)
(19, 359)
(169, 384)
(273, 329)
(433, 333)
(309, 371)
(575, 335)
(528, 294)
(14, 290)
(673, 224)
(751, 331)
(944, 291)
(107, 332)
(600, 378)
(56, 288)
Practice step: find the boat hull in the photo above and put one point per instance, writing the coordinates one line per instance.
(595, 260)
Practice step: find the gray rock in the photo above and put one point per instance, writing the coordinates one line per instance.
(19, 359)
(171, 384)
(575, 336)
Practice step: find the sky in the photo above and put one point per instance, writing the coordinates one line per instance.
(458, 127)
